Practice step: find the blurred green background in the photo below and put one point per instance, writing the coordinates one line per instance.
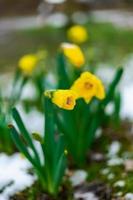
(24, 29)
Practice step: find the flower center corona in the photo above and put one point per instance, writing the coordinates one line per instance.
(88, 85)
(69, 101)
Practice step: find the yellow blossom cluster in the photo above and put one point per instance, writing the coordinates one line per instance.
(86, 86)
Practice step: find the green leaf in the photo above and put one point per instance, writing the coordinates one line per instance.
(53, 148)
(22, 148)
(117, 108)
(69, 126)
(60, 169)
(49, 145)
(16, 78)
(17, 87)
(95, 123)
(60, 144)
(112, 87)
(63, 79)
(24, 132)
(49, 121)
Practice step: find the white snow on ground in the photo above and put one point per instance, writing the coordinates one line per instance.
(127, 102)
(5, 84)
(22, 22)
(85, 196)
(105, 72)
(6, 80)
(55, 1)
(111, 176)
(119, 183)
(14, 175)
(126, 88)
(29, 92)
(78, 177)
(57, 19)
(129, 196)
(116, 17)
(105, 171)
(114, 148)
(113, 158)
(115, 161)
(16, 23)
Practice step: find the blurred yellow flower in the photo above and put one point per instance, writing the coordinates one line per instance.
(28, 63)
(77, 34)
(74, 54)
(65, 99)
(87, 86)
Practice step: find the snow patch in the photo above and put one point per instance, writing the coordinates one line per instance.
(119, 183)
(105, 171)
(114, 148)
(85, 196)
(129, 196)
(78, 177)
(115, 161)
(127, 101)
(14, 175)
(29, 92)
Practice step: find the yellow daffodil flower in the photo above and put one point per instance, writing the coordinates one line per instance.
(87, 86)
(74, 54)
(65, 99)
(28, 63)
(77, 34)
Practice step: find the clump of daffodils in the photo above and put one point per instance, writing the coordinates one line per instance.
(86, 86)
(73, 53)
(77, 34)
